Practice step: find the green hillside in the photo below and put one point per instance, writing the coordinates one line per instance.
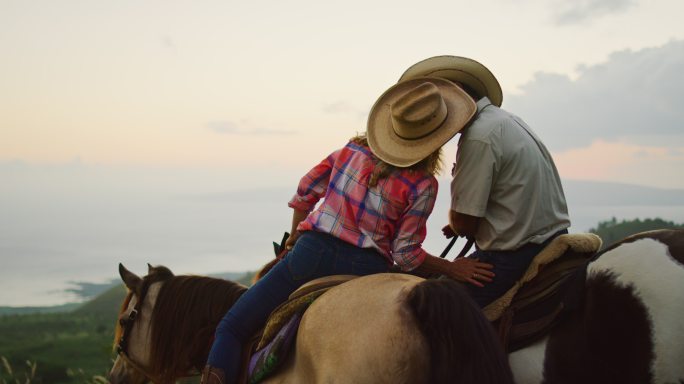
(58, 342)
(611, 231)
(106, 304)
(67, 345)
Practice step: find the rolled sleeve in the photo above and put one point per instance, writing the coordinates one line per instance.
(473, 176)
(407, 249)
(313, 186)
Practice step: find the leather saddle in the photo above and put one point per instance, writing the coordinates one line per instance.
(537, 301)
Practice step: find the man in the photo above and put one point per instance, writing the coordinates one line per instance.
(506, 193)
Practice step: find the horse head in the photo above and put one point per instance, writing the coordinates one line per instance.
(133, 363)
(166, 323)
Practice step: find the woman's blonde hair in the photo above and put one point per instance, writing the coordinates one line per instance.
(431, 165)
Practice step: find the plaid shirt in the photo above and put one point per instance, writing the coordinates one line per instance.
(390, 217)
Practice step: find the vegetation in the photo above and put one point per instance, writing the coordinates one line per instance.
(611, 230)
(14, 376)
(63, 347)
(28, 375)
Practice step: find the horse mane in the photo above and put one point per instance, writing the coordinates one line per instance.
(464, 347)
(185, 316)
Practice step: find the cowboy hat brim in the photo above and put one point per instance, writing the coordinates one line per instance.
(460, 69)
(401, 152)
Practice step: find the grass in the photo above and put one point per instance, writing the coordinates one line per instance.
(58, 344)
(29, 374)
(63, 347)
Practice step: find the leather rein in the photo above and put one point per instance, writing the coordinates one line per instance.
(464, 250)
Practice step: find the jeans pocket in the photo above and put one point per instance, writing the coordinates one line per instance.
(304, 260)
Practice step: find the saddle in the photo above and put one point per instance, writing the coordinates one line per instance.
(523, 315)
(535, 303)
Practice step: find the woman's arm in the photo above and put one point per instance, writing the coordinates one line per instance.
(464, 269)
(298, 216)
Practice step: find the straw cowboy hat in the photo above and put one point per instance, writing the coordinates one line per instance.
(460, 69)
(414, 118)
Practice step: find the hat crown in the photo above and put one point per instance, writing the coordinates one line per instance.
(418, 112)
(459, 69)
(414, 118)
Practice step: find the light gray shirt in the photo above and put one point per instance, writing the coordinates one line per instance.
(505, 175)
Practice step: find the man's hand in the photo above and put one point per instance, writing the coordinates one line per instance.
(448, 232)
(462, 224)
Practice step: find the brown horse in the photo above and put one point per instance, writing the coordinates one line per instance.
(379, 328)
(626, 328)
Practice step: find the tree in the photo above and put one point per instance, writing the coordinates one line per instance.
(612, 231)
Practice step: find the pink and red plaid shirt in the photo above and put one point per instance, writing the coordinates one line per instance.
(390, 217)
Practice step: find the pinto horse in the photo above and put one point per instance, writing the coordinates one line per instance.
(626, 327)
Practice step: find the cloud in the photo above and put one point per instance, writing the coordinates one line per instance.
(222, 126)
(338, 107)
(633, 96)
(345, 108)
(168, 42)
(623, 162)
(581, 11)
(232, 128)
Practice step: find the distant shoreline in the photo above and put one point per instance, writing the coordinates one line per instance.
(87, 291)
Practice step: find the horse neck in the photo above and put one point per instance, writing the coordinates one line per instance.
(186, 313)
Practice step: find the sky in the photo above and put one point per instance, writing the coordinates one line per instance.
(109, 108)
(276, 85)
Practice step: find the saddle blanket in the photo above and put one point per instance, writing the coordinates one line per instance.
(278, 337)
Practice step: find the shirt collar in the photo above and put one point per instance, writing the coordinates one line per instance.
(482, 103)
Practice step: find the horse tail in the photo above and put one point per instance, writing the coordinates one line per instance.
(462, 343)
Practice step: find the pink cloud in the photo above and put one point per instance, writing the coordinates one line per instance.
(623, 162)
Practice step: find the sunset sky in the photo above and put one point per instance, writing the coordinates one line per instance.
(269, 87)
(175, 132)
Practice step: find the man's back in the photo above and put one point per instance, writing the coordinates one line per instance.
(505, 175)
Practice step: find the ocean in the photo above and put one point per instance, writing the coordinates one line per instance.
(54, 239)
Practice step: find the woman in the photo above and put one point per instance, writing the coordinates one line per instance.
(377, 191)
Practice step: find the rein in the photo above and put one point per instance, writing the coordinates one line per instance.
(464, 250)
(466, 247)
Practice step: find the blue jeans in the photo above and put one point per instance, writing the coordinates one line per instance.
(509, 266)
(314, 255)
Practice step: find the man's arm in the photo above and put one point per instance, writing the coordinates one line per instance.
(462, 224)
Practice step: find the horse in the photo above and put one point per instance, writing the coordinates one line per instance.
(625, 327)
(377, 328)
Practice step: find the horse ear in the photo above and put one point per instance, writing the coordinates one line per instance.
(129, 278)
(149, 268)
